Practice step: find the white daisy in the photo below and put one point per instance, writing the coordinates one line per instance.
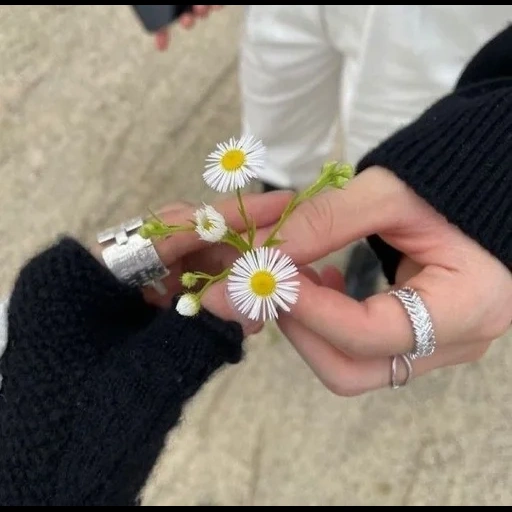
(188, 304)
(233, 164)
(259, 283)
(210, 224)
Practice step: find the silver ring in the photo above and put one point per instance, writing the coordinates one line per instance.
(395, 384)
(421, 321)
(131, 258)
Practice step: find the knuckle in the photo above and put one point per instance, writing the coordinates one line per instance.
(492, 331)
(490, 305)
(495, 325)
(319, 217)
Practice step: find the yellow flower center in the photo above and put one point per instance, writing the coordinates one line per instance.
(263, 283)
(233, 160)
(207, 224)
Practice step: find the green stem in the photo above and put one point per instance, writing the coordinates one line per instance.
(213, 280)
(314, 189)
(236, 240)
(177, 229)
(167, 230)
(288, 210)
(296, 201)
(241, 206)
(202, 275)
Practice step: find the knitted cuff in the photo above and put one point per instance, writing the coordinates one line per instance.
(458, 157)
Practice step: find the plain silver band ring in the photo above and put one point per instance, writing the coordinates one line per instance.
(395, 384)
(421, 322)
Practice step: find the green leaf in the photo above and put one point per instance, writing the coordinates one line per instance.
(274, 242)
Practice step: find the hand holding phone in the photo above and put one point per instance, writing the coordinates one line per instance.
(156, 19)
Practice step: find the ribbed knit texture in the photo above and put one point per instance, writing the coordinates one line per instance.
(458, 156)
(94, 378)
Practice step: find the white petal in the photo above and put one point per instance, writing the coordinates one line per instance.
(280, 266)
(221, 180)
(188, 305)
(209, 215)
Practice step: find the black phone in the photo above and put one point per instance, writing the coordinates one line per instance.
(156, 17)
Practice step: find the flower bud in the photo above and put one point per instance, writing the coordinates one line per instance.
(188, 279)
(341, 175)
(188, 305)
(148, 229)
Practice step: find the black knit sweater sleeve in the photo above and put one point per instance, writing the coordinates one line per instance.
(94, 378)
(458, 155)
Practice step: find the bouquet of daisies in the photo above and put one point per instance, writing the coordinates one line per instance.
(261, 281)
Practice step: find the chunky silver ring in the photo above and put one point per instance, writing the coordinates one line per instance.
(131, 258)
(421, 321)
(395, 384)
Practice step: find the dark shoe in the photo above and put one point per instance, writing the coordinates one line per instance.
(267, 187)
(362, 274)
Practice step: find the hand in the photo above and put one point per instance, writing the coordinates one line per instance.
(84, 357)
(186, 252)
(348, 344)
(187, 21)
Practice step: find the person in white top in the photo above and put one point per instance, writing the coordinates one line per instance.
(308, 72)
(368, 69)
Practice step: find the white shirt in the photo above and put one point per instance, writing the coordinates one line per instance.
(371, 68)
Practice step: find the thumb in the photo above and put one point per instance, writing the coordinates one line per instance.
(336, 218)
(217, 301)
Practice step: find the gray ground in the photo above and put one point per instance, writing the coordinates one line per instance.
(95, 127)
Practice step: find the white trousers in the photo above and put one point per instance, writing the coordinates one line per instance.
(369, 69)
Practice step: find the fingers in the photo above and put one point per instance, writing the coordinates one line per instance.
(334, 219)
(463, 311)
(217, 302)
(380, 325)
(265, 209)
(372, 328)
(311, 274)
(201, 10)
(187, 20)
(346, 376)
(332, 278)
(329, 276)
(162, 38)
(447, 270)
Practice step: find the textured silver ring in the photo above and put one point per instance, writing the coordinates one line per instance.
(395, 383)
(421, 322)
(131, 258)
